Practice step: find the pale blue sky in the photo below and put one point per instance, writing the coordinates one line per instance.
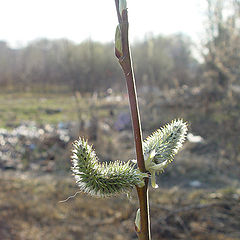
(25, 20)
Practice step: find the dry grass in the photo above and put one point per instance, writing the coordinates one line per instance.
(30, 209)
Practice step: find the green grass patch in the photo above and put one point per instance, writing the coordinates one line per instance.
(16, 108)
(54, 108)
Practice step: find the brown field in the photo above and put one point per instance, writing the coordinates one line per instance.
(198, 198)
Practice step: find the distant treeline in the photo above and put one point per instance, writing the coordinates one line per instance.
(160, 61)
(91, 66)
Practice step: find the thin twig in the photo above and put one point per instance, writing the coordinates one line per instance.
(126, 64)
(73, 196)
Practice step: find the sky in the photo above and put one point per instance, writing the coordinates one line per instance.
(26, 20)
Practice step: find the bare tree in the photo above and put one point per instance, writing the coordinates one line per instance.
(223, 46)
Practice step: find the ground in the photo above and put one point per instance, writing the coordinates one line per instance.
(31, 209)
(198, 198)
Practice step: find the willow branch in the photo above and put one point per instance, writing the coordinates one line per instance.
(125, 61)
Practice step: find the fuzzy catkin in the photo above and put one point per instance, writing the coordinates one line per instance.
(107, 179)
(165, 142)
(102, 179)
(161, 147)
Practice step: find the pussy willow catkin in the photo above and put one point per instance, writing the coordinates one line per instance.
(102, 179)
(161, 147)
(166, 141)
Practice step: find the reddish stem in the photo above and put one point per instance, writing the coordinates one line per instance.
(126, 64)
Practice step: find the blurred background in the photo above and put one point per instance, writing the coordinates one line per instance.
(59, 79)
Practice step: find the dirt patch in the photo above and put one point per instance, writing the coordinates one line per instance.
(30, 209)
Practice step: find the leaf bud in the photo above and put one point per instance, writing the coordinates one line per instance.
(118, 42)
(122, 6)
